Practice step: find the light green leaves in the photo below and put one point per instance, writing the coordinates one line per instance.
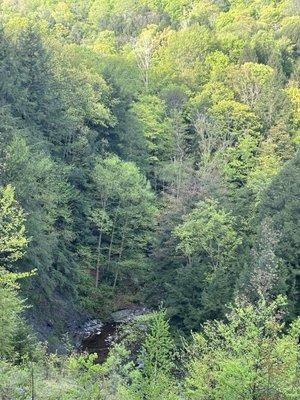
(208, 232)
(248, 357)
(12, 229)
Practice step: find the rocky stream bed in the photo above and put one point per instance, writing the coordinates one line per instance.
(96, 337)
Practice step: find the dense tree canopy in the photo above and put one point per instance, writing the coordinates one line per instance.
(149, 156)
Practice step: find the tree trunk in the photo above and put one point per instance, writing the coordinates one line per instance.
(112, 235)
(32, 383)
(111, 243)
(98, 258)
(120, 253)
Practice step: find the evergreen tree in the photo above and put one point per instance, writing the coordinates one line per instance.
(281, 203)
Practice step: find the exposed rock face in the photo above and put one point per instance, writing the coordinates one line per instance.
(58, 318)
(96, 337)
(128, 314)
(89, 329)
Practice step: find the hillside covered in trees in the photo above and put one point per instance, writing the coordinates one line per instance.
(149, 157)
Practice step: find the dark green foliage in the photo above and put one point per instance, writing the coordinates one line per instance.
(148, 156)
(110, 111)
(39, 101)
(281, 202)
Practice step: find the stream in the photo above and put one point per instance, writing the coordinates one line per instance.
(96, 337)
(100, 343)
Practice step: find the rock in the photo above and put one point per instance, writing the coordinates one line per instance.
(128, 314)
(90, 329)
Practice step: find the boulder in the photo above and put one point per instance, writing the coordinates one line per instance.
(90, 328)
(128, 314)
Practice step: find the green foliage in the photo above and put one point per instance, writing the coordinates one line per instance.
(11, 308)
(281, 202)
(202, 288)
(209, 231)
(158, 347)
(12, 229)
(12, 247)
(128, 210)
(148, 374)
(151, 145)
(249, 356)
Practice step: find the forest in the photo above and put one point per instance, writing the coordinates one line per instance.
(149, 157)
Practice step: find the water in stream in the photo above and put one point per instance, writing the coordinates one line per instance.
(101, 343)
